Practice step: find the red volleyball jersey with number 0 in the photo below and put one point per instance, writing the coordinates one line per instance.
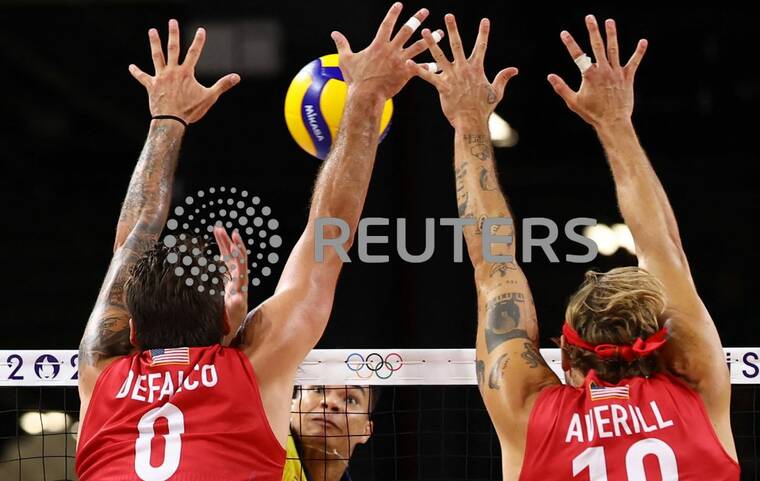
(641, 429)
(178, 414)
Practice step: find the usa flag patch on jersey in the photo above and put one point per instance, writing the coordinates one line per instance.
(600, 393)
(173, 355)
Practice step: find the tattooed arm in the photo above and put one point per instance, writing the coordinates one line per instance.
(605, 100)
(172, 91)
(509, 366)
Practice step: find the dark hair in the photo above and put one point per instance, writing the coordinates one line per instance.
(172, 307)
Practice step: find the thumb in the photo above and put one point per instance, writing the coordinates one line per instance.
(561, 88)
(225, 83)
(501, 79)
(341, 43)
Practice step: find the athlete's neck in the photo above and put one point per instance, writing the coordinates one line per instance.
(324, 465)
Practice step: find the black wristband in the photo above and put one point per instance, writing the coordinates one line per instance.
(172, 117)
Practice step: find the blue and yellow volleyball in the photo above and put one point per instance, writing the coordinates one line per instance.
(314, 106)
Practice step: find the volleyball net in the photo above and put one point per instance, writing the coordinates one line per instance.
(379, 414)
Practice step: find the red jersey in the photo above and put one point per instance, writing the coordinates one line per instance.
(641, 429)
(178, 414)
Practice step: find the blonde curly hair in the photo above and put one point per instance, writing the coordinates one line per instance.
(615, 307)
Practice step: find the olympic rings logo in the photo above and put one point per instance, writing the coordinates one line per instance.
(374, 364)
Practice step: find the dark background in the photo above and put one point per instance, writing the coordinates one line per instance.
(73, 123)
(74, 120)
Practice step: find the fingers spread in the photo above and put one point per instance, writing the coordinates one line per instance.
(454, 39)
(421, 45)
(139, 75)
(435, 50)
(410, 27)
(172, 48)
(386, 28)
(481, 43)
(633, 63)
(424, 72)
(613, 54)
(194, 52)
(501, 80)
(572, 46)
(156, 52)
(597, 44)
(559, 86)
(225, 83)
(341, 44)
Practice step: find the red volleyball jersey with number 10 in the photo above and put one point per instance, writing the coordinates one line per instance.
(178, 414)
(641, 429)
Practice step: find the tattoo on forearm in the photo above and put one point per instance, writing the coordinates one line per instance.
(480, 145)
(475, 138)
(487, 182)
(462, 207)
(532, 356)
(501, 268)
(481, 151)
(480, 368)
(460, 173)
(497, 371)
(141, 221)
(503, 319)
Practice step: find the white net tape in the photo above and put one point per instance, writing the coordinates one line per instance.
(341, 366)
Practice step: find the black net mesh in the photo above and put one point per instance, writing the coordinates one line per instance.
(417, 433)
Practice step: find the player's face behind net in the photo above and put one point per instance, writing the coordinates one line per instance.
(411, 432)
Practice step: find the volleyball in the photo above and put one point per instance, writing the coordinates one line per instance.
(314, 106)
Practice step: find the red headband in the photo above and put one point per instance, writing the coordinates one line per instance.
(639, 348)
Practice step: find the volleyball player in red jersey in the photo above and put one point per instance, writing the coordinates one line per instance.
(639, 405)
(161, 398)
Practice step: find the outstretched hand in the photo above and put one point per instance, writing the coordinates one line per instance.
(381, 67)
(235, 257)
(173, 90)
(462, 84)
(606, 92)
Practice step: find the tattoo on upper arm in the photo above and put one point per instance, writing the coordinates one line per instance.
(503, 319)
(480, 368)
(109, 337)
(497, 371)
(532, 356)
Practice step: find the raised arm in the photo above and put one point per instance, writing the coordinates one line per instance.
(172, 91)
(510, 368)
(605, 100)
(289, 324)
